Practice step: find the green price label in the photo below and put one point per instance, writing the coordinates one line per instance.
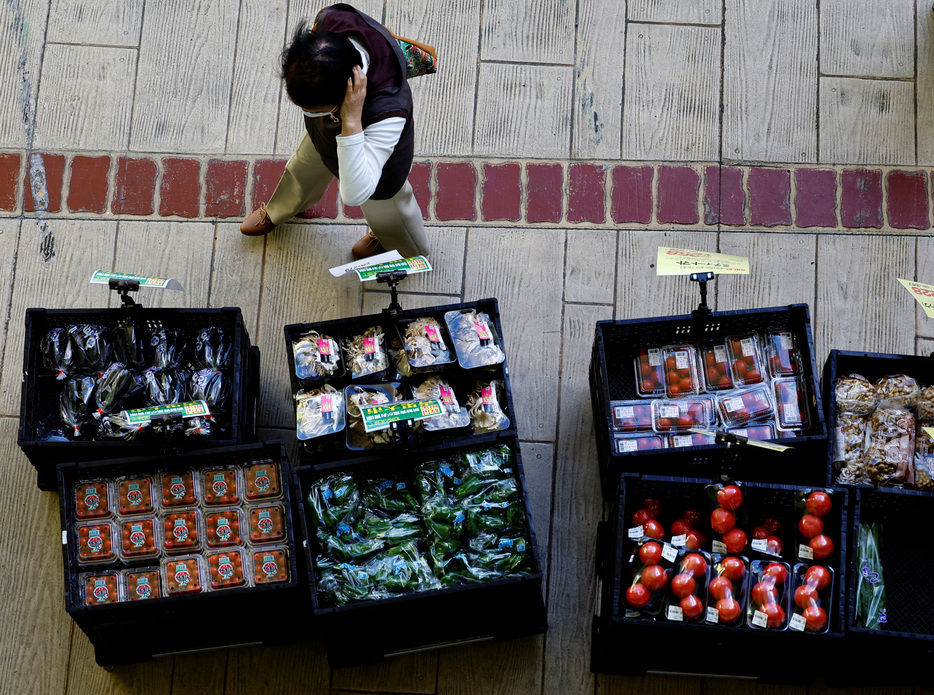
(101, 277)
(379, 417)
(143, 416)
(418, 264)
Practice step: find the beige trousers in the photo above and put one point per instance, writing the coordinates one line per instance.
(396, 222)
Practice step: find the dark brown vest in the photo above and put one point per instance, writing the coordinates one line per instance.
(387, 95)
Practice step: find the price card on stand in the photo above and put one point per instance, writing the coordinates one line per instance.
(143, 416)
(379, 417)
(672, 261)
(923, 293)
(929, 431)
(418, 264)
(101, 277)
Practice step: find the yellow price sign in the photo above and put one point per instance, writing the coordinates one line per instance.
(923, 293)
(672, 261)
(929, 431)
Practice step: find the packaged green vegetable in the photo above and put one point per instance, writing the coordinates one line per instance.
(402, 528)
(391, 493)
(444, 517)
(870, 586)
(334, 500)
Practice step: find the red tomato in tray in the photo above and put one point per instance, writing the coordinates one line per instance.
(692, 517)
(722, 520)
(695, 564)
(760, 533)
(732, 568)
(683, 584)
(637, 596)
(775, 615)
(735, 541)
(777, 571)
(764, 592)
(810, 526)
(774, 545)
(641, 517)
(679, 527)
(821, 546)
(691, 607)
(815, 618)
(650, 553)
(806, 596)
(652, 529)
(818, 576)
(694, 540)
(720, 587)
(728, 610)
(818, 503)
(654, 577)
(773, 526)
(653, 507)
(730, 497)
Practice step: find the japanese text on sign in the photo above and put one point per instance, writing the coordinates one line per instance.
(101, 277)
(672, 261)
(921, 292)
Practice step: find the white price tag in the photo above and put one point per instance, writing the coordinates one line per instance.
(719, 354)
(679, 541)
(713, 615)
(790, 412)
(682, 359)
(760, 544)
(749, 347)
(669, 411)
(719, 547)
(632, 614)
(624, 412)
(805, 552)
(628, 445)
(797, 622)
(785, 341)
(64, 538)
(635, 532)
(669, 553)
(733, 404)
(760, 619)
(741, 432)
(682, 440)
(655, 357)
(675, 613)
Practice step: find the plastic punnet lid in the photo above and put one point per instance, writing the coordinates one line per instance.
(226, 568)
(95, 543)
(134, 495)
(262, 480)
(222, 528)
(92, 500)
(142, 584)
(270, 565)
(183, 575)
(101, 588)
(221, 486)
(139, 538)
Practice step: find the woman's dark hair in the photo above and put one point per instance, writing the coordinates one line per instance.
(316, 67)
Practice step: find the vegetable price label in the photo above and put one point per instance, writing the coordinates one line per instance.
(929, 431)
(379, 417)
(798, 622)
(713, 615)
(418, 264)
(669, 553)
(143, 416)
(635, 532)
(101, 277)
(923, 293)
(672, 261)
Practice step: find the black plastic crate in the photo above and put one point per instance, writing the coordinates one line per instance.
(40, 390)
(134, 631)
(636, 646)
(872, 365)
(331, 451)
(612, 378)
(368, 631)
(907, 637)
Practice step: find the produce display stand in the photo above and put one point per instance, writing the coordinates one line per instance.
(637, 645)
(130, 631)
(613, 378)
(367, 631)
(39, 404)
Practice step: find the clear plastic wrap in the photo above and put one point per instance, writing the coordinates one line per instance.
(687, 593)
(486, 413)
(116, 385)
(925, 405)
(166, 348)
(855, 394)
(849, 448)
(56, 352)
(770, 596)
(682, 414)
(791, 409)
(715, 364)
(474, 337)
(453, 415)
(812, 599)
(211, 386)
(781, 353)
(424, 344)
(75, 405)
(163, 387)
(629, 443)
(212, 347)
(726, 590)
(737, 408)
(90, 348)
(316, 355)
(631, 416)
(890, 447)
(355, 397)
(681, 371)
(746, 364)
(897, 391)
(319, 412)
(650, 372)
(366, 353)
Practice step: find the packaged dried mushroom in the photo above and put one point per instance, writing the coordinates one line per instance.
(453, 415)
(855, 394)
(424, 344)
(366, 353)
(475, 342)
(319, 412)
(924, 459)
(897, 391)
(925, 405)
(849, 440)
(485, 411)
(890, 447)
(357, 397)
(316, 356)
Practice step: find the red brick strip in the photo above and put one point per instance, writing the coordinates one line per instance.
(511, 193)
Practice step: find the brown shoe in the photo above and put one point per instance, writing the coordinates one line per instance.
(258, 223)
(368, 246)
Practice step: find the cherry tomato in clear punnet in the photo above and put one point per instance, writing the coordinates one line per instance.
(722, 520)
(732, 568)
(777, 571)
(775, 614)
(683, 584)
(720, 587)
(691, 607)
(728, 610)
(821, 546)
(654, 577)
(653, 529)
(810, 526)
(735, 541)
(818, 576)
(695, 564)
(637, 596)
(730, 497)
(818, 503)
(650, 553)
(815, 618)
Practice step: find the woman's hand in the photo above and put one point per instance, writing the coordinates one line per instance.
(352, 106)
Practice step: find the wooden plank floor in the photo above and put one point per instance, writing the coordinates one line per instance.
(785, 82)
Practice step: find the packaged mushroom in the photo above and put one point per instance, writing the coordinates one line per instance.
(424, 343)
(925, 405)
(475, 340)
(317, 356)
(318, 412)
(855, 394)
(924, 458)
(849, 441)
(486, 414)
(452, 416)
(897, 391)
(890, 447)
(356, 397)
(366, 353)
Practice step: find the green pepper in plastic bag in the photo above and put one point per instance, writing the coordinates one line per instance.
(464, 568)
(392, 530)
(437, 478)
(334, 500)
(403, 569)
(495, 462)
(343, 583)
(349, 546)
(392, 494)
(870, 586)
(443, 517)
